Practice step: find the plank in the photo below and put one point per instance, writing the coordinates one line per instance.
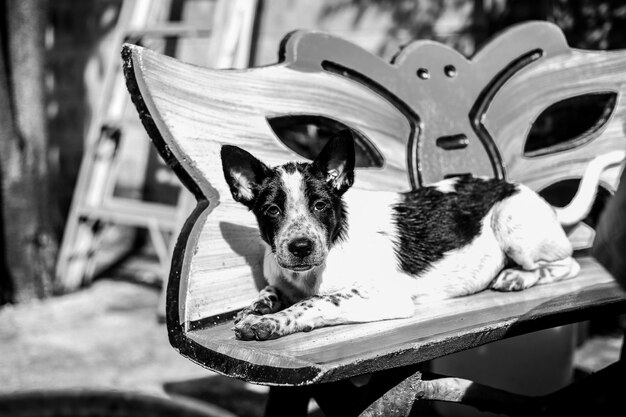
(510, 116)
(334, 353)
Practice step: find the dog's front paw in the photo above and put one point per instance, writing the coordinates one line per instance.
(254, 327)
(257, 309)
(245, 313)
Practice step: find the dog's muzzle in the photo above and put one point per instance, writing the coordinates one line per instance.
(300, 254)
(301, 247)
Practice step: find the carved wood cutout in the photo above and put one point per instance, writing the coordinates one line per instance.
(441, 92)
(430, 114)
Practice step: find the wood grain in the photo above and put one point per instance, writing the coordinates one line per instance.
(338, 352)
(522, 99)
(183, 111)
(492, 99)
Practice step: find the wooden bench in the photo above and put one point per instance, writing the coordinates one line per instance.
(428, 115)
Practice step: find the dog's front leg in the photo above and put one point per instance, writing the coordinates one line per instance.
(270, 300)
(342, 307)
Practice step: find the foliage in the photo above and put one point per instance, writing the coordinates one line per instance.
(592, 24)
(414, 19)
(588, 24)
(466, 24)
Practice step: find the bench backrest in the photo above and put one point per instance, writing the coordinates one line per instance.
(431, 113)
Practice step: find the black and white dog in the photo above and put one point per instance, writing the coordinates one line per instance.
(338, 257)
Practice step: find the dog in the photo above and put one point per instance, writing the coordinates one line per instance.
(338, 255)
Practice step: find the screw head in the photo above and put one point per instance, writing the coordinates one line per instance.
(450, 71)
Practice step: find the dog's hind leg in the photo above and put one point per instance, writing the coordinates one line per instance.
(517, 279)
(530, 235)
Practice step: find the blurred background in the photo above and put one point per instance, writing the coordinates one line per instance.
(90, 212)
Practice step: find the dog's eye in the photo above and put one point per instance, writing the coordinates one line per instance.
(272, 211)
(319, 206)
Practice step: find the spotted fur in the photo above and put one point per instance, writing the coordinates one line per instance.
(446, 240)
(435, 220)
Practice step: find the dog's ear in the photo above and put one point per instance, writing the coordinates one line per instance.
(336, 160)
(244, 173)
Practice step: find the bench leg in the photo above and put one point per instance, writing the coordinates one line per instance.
(388, 393)
(393, 394)
(622, 356)
(288, 402)
(397, 393)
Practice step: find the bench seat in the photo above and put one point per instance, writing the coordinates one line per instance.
(335, 353)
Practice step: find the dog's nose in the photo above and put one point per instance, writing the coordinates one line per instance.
(300, 247)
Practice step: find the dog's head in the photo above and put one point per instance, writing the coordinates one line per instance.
(298, 206)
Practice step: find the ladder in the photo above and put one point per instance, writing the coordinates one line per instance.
(100, 215)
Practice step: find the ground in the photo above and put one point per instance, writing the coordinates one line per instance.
(108, 336)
